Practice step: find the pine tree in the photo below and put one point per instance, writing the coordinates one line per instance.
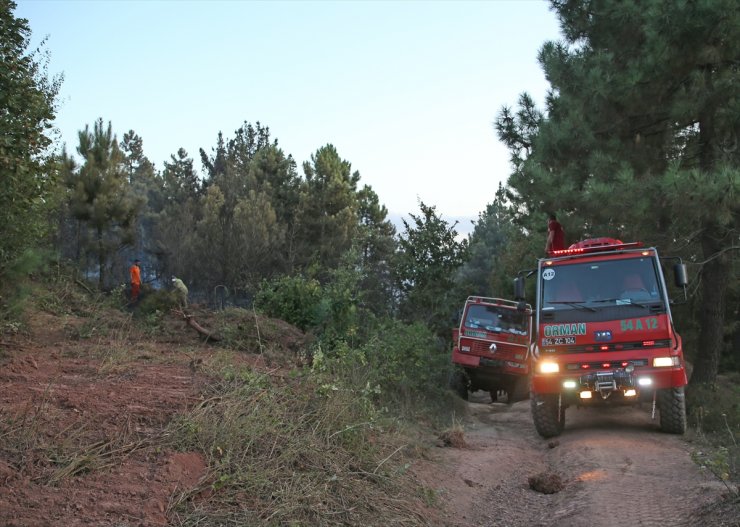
(327, 216)
(640, 136)
(180, 180)
(491, 248)
(377, 247)
(100, 195)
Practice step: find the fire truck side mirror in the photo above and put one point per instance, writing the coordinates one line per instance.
(679, 275)
(519, 288)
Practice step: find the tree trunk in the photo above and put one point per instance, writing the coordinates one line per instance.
(715, 276)
(716, 271)
(101, 260)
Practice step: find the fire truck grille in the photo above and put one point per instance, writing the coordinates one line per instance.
(619, 346)
(480, 347)
(602, 365)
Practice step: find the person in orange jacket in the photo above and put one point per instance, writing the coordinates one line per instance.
(135, 273)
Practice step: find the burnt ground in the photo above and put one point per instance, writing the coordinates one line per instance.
(81, 421)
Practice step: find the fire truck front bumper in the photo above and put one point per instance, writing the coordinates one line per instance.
(629, 382)
(465, 359)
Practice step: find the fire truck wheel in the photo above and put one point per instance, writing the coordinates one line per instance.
(548, 415)
(459, 383)
(672, 407)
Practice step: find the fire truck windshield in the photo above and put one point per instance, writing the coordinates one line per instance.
(496, 319)
(595, 286)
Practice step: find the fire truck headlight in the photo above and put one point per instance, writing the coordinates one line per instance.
(549, 367)
(569, 385)
(630, 393)
(662, 362)
(585, 395)
(464, 348)
(644, 381)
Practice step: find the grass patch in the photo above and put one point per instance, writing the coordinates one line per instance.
(454, 436)
(289, 452)
(714, 417)
(248, 331)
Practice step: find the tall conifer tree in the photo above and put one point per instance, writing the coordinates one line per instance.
(328, 209)
(639, 138)
(100, 195)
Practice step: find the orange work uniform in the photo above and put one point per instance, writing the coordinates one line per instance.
(135, 273)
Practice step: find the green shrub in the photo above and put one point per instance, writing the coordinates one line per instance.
(295, 299)
(156, 301)
(15, 286)
(402, 367)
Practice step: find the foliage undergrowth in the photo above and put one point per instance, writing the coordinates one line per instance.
(714, 417)
(15, 285)
(247, 331)
(291, 298)
(286, 451)
(400, 368)
(314, 446)
(38, 282)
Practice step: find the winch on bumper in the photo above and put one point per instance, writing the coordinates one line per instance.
(606, 383)
(614, 386)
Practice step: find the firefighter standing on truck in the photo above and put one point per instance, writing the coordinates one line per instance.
(555, 235)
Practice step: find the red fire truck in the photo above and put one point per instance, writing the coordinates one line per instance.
(604, 333)
(491, 348)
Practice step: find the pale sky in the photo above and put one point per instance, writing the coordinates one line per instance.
(407, 91)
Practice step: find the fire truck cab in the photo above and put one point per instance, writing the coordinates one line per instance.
(491, 349)
(604, 334)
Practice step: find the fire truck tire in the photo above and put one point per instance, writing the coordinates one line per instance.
(549, 417)
(672, 407)
(459, 383)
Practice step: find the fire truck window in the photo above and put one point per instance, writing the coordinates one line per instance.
(567, 292)
(478, 317)
(494, 319)
(634, 289)
(634, 279)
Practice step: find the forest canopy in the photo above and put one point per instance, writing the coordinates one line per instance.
(637, 140)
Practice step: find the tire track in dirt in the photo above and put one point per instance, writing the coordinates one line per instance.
(617, 468)
(621, 470)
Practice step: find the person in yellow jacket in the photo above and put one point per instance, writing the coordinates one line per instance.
(182, 291)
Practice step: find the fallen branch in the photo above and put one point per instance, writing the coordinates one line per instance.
(84, 286)
(190, 321)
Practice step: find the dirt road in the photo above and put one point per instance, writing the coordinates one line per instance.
(616, 468)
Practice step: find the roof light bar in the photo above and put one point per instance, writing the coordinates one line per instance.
(589, 246)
